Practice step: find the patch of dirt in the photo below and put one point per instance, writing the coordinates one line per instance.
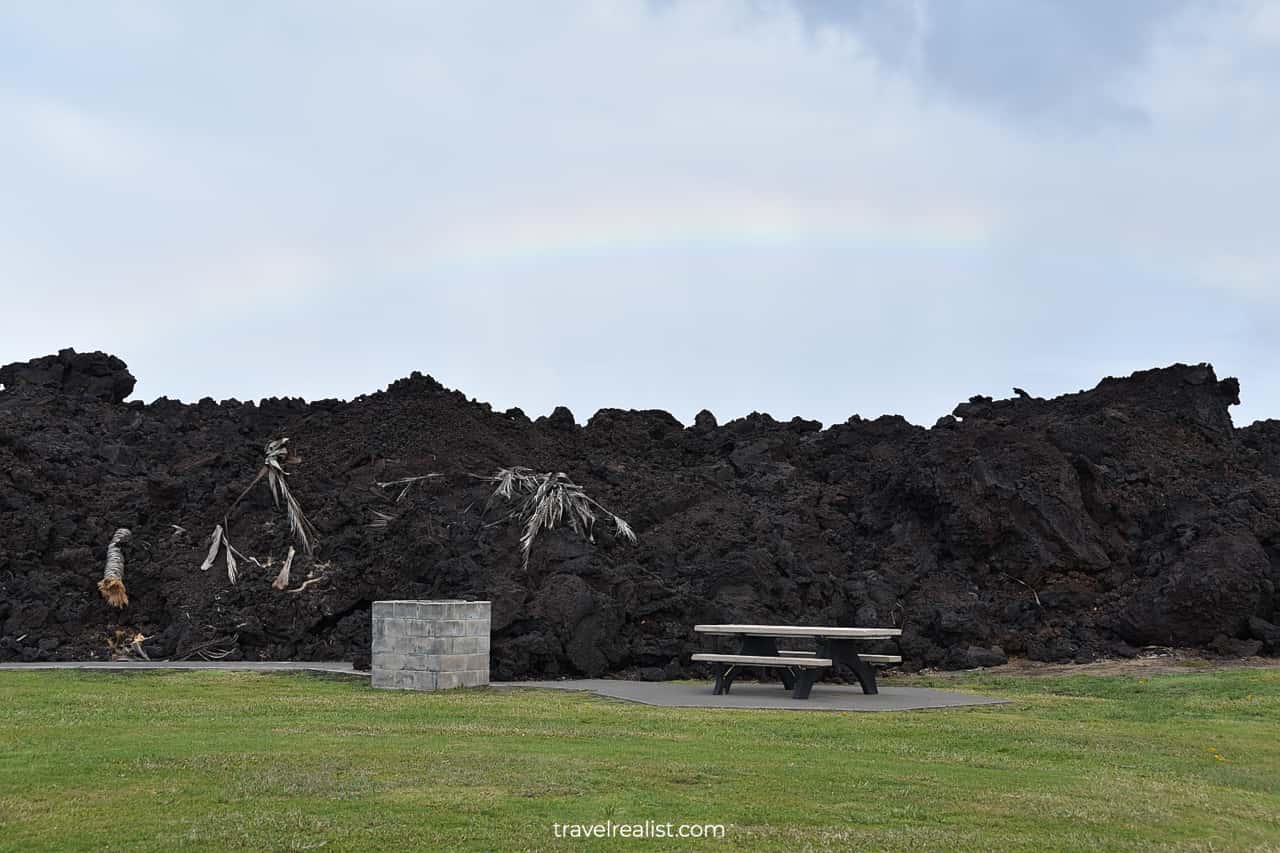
(1063, 530)
(1169, 662)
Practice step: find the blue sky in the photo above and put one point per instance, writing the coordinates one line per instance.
(817, 208)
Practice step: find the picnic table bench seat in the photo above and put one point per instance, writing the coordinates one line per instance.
(727, 666)
(885, 659)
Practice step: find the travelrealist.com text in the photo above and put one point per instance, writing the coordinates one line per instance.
(646, 829)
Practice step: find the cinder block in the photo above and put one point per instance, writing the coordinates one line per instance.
(415, 680)
(417, 645)
(401, 626)
(449, 680)
(419, 662)
(437, 610)
(446, 645)
(465, 610)
(396, 626)
(396, 643)
(441, 663)
(464, 645)
(448, 628)
(473, 662)
(422, 627)
(386, 661)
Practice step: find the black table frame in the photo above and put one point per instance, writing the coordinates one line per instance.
(841, 650)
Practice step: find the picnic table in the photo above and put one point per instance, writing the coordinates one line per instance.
(758, 648)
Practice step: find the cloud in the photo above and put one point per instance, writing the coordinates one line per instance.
(801, 209)
(1057, 61)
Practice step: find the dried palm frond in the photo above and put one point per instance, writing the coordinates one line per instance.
(282, 579)
(406, 483)
(220, 544)
(381, 520)
(275, 455)
(112, 584)
(215, 542)
(302, 528)
(233, 572)
(621, 528)
(203, 650)
(308, 582)
(549, 500)
(509, 478)
(127, 646)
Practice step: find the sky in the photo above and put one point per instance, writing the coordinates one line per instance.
(801, 207)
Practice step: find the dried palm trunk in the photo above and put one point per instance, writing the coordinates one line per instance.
(112, 584)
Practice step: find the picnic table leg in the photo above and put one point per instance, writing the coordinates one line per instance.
(804, 683)
(765, 647)
(844, 652)
(724, 679)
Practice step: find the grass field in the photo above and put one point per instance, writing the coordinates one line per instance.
(166, 761)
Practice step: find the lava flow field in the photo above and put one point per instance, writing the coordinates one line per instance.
(1088, 525)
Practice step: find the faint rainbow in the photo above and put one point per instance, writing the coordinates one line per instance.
(593, 232)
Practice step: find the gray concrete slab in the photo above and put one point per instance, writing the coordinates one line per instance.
(327, 667)
(672, 694)
(770, 696)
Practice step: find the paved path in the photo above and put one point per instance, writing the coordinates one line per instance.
(673, 694)
(825, 697)
(328, 666)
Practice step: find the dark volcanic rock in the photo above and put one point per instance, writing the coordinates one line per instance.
(1265, 633)
(91, 374)
(1059, 529)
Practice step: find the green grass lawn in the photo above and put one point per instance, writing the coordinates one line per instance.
(214, 760)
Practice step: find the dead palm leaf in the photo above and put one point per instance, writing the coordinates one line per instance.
(301, 527)
(406, 483)
(381, 520)
(127, 646)
(232, 572)
(550, 500)
(275, 454)
(282, 579)
(215, 542)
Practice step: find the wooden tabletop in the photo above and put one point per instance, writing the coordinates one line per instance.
(801, 631)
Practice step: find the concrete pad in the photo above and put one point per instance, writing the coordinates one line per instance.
(671, 694)
(770, 696)
(325, 667)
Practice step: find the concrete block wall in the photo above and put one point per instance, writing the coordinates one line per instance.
(430, 645)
